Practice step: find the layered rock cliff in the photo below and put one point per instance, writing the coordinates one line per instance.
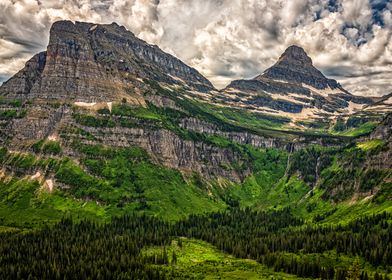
(89, 62)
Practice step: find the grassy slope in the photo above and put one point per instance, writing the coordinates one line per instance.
(99, 189)
(122, 185)
(199, 260)
(97, 192)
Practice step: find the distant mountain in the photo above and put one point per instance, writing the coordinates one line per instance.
(381, 104)
(292, 87)
(295, 66)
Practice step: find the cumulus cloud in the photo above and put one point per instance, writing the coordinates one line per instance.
(225, 39)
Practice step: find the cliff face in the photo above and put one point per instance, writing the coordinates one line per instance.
(168, 149)
(293, 143)
(383, 132)
(20, 85)
(88, 62)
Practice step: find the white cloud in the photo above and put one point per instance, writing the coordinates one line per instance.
(224, 39)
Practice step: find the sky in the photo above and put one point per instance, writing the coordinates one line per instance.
(348, 40)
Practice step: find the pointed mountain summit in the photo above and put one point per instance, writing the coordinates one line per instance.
(295, 66)
(292, 87)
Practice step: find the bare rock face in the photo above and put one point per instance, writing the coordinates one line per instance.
(92, 63)
(20, 85)
(383, 132)
(168, 149)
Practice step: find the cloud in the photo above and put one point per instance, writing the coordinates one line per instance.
(225, 39)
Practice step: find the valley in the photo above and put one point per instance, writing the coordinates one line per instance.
(108, 141)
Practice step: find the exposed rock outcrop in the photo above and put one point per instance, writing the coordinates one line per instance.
(168, 149)
(290, 143)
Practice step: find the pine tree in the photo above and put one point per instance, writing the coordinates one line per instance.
(174, 258)
(354, 273)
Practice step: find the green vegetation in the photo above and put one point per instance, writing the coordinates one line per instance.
(362, 129)
(142, 247)
(92, 121)
(275, 240)
(10, 102)
(370, 144)
(124, 180)
(308, 200)
(195, 259)
(47, 147)
(110, 182)
(8, 114)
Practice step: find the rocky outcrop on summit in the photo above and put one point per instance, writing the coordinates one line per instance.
(292, 86)
(91, 62)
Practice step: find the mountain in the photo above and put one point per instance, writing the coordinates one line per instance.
(103, 124)
(381, 104)
(294, 88)
(92, 63)
(295, 66)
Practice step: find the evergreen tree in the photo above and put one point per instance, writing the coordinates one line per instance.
(174, 258)
(354, 273)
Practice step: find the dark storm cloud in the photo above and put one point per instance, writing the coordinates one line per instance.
(225, 39)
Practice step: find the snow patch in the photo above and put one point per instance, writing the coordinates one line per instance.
(289, 98)
(354, 107)
(110, 105)
(94, 105)
(323, 92)
(49, 185)
(388, 101)
(177, 78)
(366, 198)
(85, 104)
(53, 137)
(36, 175)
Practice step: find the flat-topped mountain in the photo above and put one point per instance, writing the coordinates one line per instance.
(98, 62)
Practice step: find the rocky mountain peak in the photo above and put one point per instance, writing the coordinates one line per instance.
(293, 86)
(295, 66)
(295, 55)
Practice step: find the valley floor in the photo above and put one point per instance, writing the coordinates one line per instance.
(196, 259)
